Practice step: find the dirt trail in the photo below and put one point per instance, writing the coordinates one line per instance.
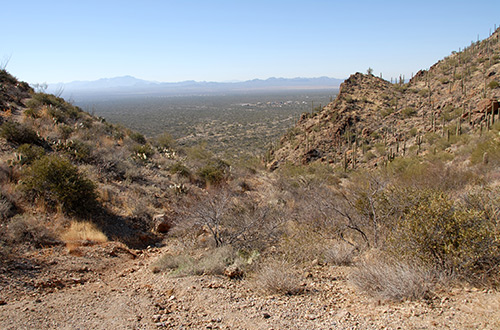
(110, 287)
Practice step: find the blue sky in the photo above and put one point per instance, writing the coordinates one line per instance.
(62, 41)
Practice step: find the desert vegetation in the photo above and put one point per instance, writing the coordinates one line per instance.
(401, 201)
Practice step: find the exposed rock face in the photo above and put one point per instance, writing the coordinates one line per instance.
(373, 120)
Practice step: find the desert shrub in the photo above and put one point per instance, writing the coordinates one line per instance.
(171, 262)
(487, 152)
(180, 169)
(60, 110)
(213, 262)
(408, 112)
(231, 221)
(57, 182)
(18, 133)
(32, 113)
(7, 78)
(390, 279)
(6, 207)
(142, 152)
(29, 153)
(424, 92)
(137, 137)
(278, 277)
(65, 131)
(493, 84)
(296, 175)
(79, 151)
(166, 141)
(214, 172)
(301, 243)
(23, 229)
(446, 235)
(340, 253)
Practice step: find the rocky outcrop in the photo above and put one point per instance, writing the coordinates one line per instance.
(372, 120)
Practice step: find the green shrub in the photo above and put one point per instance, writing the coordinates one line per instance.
(180, 169)
(137, 137)
(143, 152)
(165, 141)
(60, 110)
(30, 153)
(215, 172)
(408, 112)
(79, 151)
(57, 182)
(487, 152)
(493, 84)
(446, 235)
(18, 133)
(386, 112)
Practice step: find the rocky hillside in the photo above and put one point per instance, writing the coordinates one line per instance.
(60, 166)
(372, 121)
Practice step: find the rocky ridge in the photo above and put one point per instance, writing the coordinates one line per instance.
(372, 120)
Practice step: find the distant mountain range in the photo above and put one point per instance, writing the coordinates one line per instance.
(131, 86)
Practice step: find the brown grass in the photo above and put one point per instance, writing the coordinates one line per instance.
(393, 280)
(82, 233)
(278, 277)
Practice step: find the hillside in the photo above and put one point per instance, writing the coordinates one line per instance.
(372, 121)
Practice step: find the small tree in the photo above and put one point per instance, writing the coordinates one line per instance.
(369, 72)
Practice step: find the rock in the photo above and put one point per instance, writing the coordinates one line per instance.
(162, 223)
(266, 315)
(488, 105)
(312, 155)
(233, 271)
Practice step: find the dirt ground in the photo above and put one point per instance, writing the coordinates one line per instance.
(108, 286)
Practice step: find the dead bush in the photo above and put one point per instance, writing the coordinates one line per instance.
(278, 277)
(6, 206)
(393, 280)
(339, 253)
(301, 244)
(23, 229)
(231, 219)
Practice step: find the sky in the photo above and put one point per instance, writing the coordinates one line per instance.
(215, 40)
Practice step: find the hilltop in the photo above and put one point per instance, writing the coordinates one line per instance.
(372, 121)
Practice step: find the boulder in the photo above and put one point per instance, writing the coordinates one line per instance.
(233, 271)
(162, 223)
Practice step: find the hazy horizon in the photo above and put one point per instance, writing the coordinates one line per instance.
(220, 41)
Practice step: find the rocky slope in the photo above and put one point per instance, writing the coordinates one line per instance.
(372, 121)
